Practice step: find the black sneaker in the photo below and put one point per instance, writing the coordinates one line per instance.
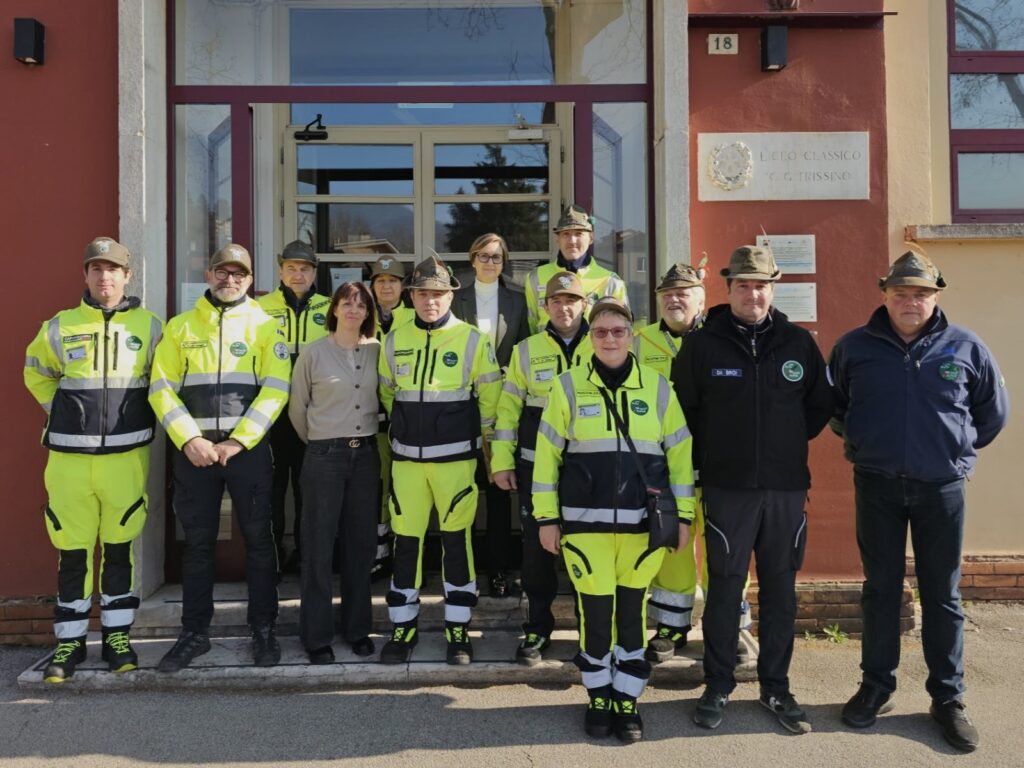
(530, 651)
(710, 707)
(597, 721)
(118, 651)
(865, 706)
(188, 646)
(956, 725)
(266, 651)
(398, 649)
(626, 722)
(790, 714)
(665, 642)
(324, 655)
(460, 650)
(499, 586)
(68, 655)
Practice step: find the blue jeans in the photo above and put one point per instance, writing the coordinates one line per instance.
(935, 512)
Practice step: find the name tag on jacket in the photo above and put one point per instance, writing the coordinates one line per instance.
(727, 373)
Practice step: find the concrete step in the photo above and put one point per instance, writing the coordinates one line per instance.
(229, 666)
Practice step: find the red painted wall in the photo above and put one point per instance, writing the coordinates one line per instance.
(835, 81)
(58, 190)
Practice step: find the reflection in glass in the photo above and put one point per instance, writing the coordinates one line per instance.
(355, 169)
(533, 113)
(203, 193)
(987, 101)
(525, 226)
(620, 197)
(989, 25)
(490, 169)
(991, 180)
(349, 227)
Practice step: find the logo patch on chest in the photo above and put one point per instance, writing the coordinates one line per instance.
(792, 370)
(239, 348)
(134, 343)
(319, 318)
(639, 407)
(949, 371)
(451, 359)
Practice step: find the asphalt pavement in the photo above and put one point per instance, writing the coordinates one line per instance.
(519, 724)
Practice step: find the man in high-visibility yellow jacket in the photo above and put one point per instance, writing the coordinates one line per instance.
(302, 315)
(88, 367)
(220, 378)
(535, 364)
(593, 502)
(440, 383)
(681, 306)
(575, 234)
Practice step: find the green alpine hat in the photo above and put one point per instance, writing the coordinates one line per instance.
(432, 274)
(913, 269)
(298, 251)
(575, 217)
(751, 262)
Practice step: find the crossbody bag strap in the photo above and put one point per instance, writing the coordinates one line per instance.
(621, 429)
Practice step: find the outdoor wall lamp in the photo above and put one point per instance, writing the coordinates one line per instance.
(307, 134)
(773, 48)
(28, 41)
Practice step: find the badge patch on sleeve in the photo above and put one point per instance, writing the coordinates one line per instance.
(280, 350)
(792, 370)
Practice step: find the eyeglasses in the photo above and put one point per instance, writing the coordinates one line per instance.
(618, 332)
(490, 258)
(229, 274)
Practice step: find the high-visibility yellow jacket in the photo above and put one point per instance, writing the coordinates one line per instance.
(597, 282)
(89, 369)
(300, 327)
(535, 364)
(400, 315)
(656, 347)
(584, 476)
(219, 373)
(440, 386)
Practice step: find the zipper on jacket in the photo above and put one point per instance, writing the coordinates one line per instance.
(103, 408)
(220, 361)
(423, 382)
(299, 327)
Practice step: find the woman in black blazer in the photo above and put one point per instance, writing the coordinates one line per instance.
(500, 312)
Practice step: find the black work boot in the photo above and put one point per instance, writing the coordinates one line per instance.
(70, 652)
(460, 650)
(956, 725)
(118, 651)
(266, 652)
(867, 703)
(188, 646)
(710, 709)
(531, 650)
(597, 721)
(629, 728)
(398, 649)
(665, 642)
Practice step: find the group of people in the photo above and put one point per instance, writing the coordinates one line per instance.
(380, 404)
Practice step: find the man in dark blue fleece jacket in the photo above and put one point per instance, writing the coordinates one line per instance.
(916, 397)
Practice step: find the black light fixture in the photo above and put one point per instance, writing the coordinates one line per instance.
(307, 134)
(28, 41)
(773, 47)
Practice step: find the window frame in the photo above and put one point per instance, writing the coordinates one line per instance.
(978, 141)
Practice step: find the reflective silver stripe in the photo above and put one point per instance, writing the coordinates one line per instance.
(66, 630)
(457, 614)
(539, 487)
(113, 382)
(470, 587)
(403, 613)
(612, 445)
(224, 423)
(258, 418)
(96, 441)
(236, 377)
(534, 278)
(35, 364)
(609, 516)
(433, 451)
(663, 395)
(512, 389)
(680, 435)
(625, 683)
(433, 396)
(675, 599)
(677, 618)
(504, 434)
(155, 334)
(275, 383)
(119, 617)
(53, 336)
(487, 378)
(553, 437)
(470, 355)
(47, 405)
(539, 401)
(613, 285)
(682, 491)
(526, 454)
(172, 415)
(159, 384)
(524, 361)
(570, 398)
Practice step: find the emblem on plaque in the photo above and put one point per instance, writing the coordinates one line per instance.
(731, 166)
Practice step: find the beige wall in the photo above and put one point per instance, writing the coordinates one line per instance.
(983, 274)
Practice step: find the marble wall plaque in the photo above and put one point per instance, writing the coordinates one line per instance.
(783, 166)
(797, 301)
(794, 254)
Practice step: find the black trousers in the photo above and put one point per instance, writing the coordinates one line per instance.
(774, 526)
(341, 486)
(540, 567)
(498, 533)
(197, 497)
(288, 451)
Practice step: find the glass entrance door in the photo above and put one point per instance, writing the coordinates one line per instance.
(363, 192)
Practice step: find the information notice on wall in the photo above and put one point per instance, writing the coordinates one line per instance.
(797, 301)
(794, 254)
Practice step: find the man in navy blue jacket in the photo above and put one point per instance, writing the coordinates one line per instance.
(916, 397)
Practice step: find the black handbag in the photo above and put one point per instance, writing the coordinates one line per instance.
(663, 523)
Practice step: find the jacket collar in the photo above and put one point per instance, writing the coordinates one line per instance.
(576, 265)
(880, 325)
(632, 381)
(442, 322)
